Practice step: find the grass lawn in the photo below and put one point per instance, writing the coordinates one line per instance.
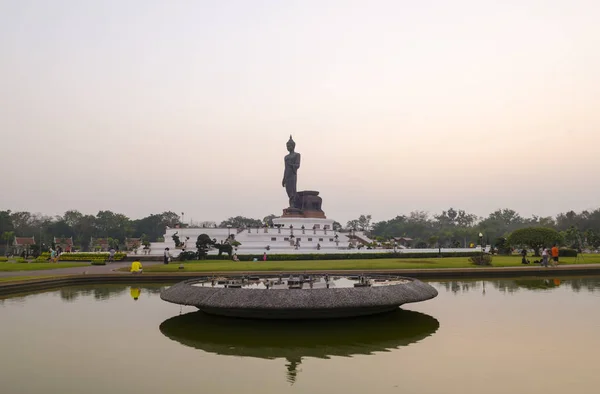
(367, 264)
(4, 279)
(37, 266)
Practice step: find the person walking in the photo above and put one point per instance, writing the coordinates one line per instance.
(166, 256)
(111, 255)
(545, 257)
(554, 252)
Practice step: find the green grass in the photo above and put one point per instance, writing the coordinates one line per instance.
(329, 265)
(4, 279)
(37, 266)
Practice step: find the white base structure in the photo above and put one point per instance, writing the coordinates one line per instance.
(317, 236)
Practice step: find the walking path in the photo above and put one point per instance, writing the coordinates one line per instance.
(112, 268)
(83, 270)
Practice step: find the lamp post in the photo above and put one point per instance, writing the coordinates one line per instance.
(228, 230)
(481, 243)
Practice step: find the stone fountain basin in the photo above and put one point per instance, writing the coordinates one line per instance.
(313, 303)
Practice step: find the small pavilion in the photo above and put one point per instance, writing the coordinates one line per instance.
(23, 244)
(99, 244)
(66, 244)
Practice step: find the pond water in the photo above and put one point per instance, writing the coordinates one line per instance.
(477, 336)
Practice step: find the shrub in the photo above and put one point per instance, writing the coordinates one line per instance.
(481, 259)
(188, 255)
(534, 237)
(564, 252)
(3, 259)
(348, 256)
(87, 256)
(20, 260)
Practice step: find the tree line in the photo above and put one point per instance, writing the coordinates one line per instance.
(450, 228)
(455, 228)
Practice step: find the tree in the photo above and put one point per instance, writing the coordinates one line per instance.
(268, 220)
(364, 223)
(572, 237)
(500, 223)
(203, 244)
(352, 225)
(8, 236)
(534, 238)
(592, 238)
(240, 222)
(337, 226)
(6, 223)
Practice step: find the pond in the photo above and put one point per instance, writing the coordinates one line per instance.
(493, 336)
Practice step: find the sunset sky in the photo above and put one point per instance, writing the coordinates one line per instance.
(145, 106)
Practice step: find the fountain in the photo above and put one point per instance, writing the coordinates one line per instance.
(298, 296)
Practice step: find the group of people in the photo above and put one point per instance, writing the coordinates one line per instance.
(546, 255)
(55, 254)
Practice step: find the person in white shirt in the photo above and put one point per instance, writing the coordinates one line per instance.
(167, 256)
(545, 257)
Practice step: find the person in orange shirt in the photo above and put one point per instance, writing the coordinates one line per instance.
(554, 255)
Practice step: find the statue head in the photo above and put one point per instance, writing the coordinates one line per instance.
(291, 145)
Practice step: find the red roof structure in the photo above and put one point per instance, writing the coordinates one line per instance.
(99, 243)
(24, 241)
(63, 241)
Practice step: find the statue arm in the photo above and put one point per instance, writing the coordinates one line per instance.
(283, 181)
(297, 163)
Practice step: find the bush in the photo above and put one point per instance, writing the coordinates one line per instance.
(20, 260)
(87, 256)
(485, 259)
(43, 258)
(348, 256)
(3, 259)
(564, 252)
(188, 255)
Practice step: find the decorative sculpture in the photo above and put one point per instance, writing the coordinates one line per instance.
(290, 174)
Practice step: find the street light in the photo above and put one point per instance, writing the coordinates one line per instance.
(481, 243)
(229, 230)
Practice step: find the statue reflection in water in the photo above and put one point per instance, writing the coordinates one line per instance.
(298, 339)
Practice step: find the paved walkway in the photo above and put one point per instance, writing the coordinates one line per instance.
(421, 272)
(83, 270)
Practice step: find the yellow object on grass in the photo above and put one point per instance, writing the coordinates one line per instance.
(136, 266)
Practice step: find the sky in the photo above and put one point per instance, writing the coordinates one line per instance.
(145, 106)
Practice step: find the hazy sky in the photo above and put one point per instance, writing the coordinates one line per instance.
(145, 106)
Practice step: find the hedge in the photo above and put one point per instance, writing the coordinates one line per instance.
(567, 252)
(346, 256)
(81, 256)
(3, 259)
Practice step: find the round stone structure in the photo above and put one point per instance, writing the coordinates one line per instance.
(298, 296)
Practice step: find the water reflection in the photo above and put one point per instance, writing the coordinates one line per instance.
(294, 340)
(106, 292)
(576, 284)
(96, 292)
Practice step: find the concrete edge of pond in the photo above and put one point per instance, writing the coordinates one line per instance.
(52, 282)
